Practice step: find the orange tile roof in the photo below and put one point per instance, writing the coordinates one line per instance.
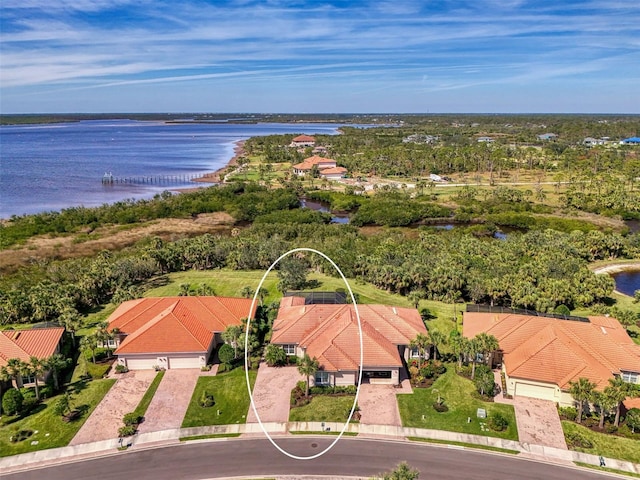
(333, 170)
(558, 351)
(308, 163)
(176, 324)
(330, 332)
(23, 344)
(304, 138)
(631, 402)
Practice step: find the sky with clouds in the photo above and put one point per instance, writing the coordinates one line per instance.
(320, 56)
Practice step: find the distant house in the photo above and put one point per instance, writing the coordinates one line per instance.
(330, 333)
(334, 173)
(547, 136)
(590, 142)
(173, 332)
(308, 163)
(485, 140)
(435, 178)
(542, 355)
(24, 344)
(419, 138)
(302, 141)
(631, 141)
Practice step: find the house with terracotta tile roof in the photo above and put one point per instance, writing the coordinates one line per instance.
(542, 355)
(330, 333)
(24, 344)
(307, 164)
(303, 141)
(173, 332)
(334, 173)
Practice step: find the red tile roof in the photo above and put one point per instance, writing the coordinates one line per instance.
(558, 351)
(176, 324)
(330, 332)
(23, 344)
(321, 162)
(304, 139)
(333, 171)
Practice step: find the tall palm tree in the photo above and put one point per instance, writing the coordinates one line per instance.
(488, 344)
(473, 349)
(581, 391)
(437, 340)
(308, 366)
(605, 401)
(618, 390)
(231, 335)
(14, 368)
(56, 363)
(421, 342)
(459, 345)
(89, 342)
(38, 369)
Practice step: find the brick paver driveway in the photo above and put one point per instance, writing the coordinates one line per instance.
(122, 398)
(378, 405)
(272, 393)
(169, 404)
(538, 422)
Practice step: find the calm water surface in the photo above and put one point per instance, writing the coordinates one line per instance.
(627, 282)
(51, 167)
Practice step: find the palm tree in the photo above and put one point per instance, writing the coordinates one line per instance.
(15, 367)
(70, 319)
(581, 391)
(459, 345)
(488, 344)
(437, 340)
(38, 369)
(421, 342)
(231, 335)
(415, 296)
(473, 349)
(56, 363)
(618, 390)
(89, 342)
(605, 401)
(308, 366)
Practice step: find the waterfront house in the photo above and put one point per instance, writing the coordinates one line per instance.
(173, 332)
(307, 165)
(302, 141)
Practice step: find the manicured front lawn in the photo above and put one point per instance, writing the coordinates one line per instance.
(606, 445)
(457, 394)
(231, 400)
(52, 430)
(323, 408)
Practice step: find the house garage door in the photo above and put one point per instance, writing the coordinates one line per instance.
(141, 363)
(184, 362)
(524, 389)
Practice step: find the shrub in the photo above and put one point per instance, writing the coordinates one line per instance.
(205, 368)
(29, 404)
(126, 431)
(568, 413)
(46, 391)
(28, 393)
(121, 369)
(577, 440)
(440, 407)
(206, 400)
(131, 419)
(12, 401)
(610, 429)
(226, 354)
(498, 422)
(275, 356)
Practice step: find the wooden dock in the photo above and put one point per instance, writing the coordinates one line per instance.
(110, 179)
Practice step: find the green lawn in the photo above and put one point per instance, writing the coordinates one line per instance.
(230, 394)
(141, 409)
(606, 445)
(607, 469)
(464, 444)
(323, 408)
(52, 431)
(456, 392)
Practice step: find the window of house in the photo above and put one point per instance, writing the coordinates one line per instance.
(289, 349)
(415, 352)
(112, 342)
(27, 379)
(630, 377)
(322, 378)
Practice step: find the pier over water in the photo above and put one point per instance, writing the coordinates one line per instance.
(109, 179)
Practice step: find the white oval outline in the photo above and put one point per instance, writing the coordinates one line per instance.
(246, 345)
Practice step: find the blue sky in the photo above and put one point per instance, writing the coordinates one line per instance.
(315, 56)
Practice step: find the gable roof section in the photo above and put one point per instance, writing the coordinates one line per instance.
(558, 351)
(175, 324)
(23, 344)
(308, 163)
(330, 332)
(304, 139)
(333, 170)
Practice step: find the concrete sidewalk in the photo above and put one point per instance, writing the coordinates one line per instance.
(55, 456)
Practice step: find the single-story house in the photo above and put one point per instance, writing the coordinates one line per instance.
(631, 141)
(485, 140)
(308, 163)
(24, 344)
(330, 333)
(173, 332)
(542, 355)
(590, 141)
(547, 136)
(334, 173)
(303, 141)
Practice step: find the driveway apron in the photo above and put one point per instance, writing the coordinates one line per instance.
(378, 405)
(538, 422)
(272, 393)
(170, 403)
(122, 398)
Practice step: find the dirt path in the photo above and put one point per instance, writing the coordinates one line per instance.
(122, 398)
(271, 393)
(170, 403)
(378, 405)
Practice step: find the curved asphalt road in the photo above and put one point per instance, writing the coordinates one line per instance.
(257, 457)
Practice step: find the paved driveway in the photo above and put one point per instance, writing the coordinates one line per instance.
(538, 422)
(123, 397)
(271, 393)
(170, 403)
(378, 405)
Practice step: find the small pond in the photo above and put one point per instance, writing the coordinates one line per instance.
(324, 208)
(627, 282)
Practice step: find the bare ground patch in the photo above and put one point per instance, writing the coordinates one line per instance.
(113, 237)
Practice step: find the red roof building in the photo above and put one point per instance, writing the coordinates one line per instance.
(308, 163)
(174, 332)
(303, 141)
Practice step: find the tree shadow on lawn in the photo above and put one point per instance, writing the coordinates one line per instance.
(11, 420)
